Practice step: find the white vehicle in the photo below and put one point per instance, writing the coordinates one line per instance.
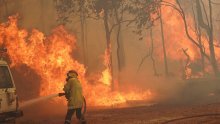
(8, 96)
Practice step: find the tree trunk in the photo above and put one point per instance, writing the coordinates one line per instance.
(120, 49)
(118, 43)
(199, 38)
(83, 33)
(187, 31)
(108, 47)
(152, 53)
(42, 19)
(209, 30)
(186, 75)
(163, 42)
(212, 55)
(6, 9)
(211, 45)
(201, 49)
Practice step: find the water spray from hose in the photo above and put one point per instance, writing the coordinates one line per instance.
(36, 100)
(44, 98)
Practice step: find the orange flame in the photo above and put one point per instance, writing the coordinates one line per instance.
(176, 40)
(106, 74)
(51, 57)
(115, 97)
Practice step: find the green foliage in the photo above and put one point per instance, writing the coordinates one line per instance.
(69, 9)
(145, 12)
(141, 13)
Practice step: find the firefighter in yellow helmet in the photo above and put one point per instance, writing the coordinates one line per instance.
(73, 92)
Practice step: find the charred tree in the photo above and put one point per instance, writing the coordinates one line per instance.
(163, 43)
(187, 64)
(83, 31)
(120, 46)
(108, 44)
(208, 27)
(194, 41)
(152, 53)
(201, 50)
(209, 30)
(120, 49)
(199, 39)
(182, 13)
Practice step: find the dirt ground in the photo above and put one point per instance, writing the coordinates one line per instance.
(50, 113)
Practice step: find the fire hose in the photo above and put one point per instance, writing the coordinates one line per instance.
(43, 98)
(84, 103)
(190, 117)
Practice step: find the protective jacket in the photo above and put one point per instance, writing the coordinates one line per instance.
(74, 90)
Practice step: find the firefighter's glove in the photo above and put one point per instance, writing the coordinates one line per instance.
(61, 94)
(67, 95)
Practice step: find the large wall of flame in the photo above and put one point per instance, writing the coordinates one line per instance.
(50, 57)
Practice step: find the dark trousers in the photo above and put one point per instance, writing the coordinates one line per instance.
(70, 113)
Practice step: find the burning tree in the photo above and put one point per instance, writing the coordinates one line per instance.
(207, 27)
(201, 20)
(69, 11)
(196, 35)
(120, 11)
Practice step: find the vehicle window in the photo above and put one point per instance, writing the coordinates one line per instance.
(5, 78)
